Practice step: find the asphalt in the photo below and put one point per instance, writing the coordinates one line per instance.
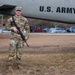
(52, 34)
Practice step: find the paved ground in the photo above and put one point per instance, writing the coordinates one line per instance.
(52, 34)
(47, 55)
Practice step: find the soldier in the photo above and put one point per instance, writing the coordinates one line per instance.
(16, 43)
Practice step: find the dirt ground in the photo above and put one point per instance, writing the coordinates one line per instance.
(47, 55)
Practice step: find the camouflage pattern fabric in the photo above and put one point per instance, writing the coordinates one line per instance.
(16, 47)
(22, 24)
(16, 43)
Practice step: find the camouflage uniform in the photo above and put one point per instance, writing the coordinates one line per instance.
(16, 43)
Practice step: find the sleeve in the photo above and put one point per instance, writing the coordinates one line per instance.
(8, 24)
(27, 28)
(26, 21)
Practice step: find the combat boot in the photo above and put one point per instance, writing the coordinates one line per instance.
(19, 66)
(10, 68)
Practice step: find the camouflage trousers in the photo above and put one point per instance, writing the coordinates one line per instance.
(15, 49)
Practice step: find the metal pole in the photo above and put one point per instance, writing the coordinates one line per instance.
(2, 20)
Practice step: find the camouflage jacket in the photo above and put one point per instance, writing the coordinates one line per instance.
(21, 23)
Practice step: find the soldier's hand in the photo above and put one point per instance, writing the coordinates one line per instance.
(14, 29)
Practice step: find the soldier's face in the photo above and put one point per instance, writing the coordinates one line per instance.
(18, 12)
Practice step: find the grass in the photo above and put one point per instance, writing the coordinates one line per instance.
(66, 60)
(42, 64)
